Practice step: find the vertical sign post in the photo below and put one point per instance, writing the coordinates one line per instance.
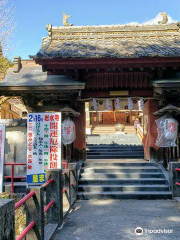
(2, 148)
(43, 145)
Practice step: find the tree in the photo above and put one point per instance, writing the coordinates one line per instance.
(6, 28)
(4, 65)
(7, 24)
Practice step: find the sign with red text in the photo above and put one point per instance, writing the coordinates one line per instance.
(2, 147)
(43, 145)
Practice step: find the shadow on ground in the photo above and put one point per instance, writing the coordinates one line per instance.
(118, 219)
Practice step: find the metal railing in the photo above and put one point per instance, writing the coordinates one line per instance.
(177, 169)
(61, 192)
(24, 200)
(12, 177)
(55, 199)
(171, 153)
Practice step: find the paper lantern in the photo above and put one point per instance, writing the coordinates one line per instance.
(167, 131)
(68, 131)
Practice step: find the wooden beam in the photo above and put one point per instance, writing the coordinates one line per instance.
(41, 88)
(65, 63)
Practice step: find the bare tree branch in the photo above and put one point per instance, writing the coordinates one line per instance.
(7, 23)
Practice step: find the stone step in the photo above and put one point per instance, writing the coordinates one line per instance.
(116, 137)
(107, 149)
(103, 131)
(118, 144)
(122, 187)
(126, 195)
(120, 175)
(113, 146)
(122, 135)
(109, 143)
(115, 181)
(112, 153)
(120, 170)
(105, 152)
(118, 164)
(125, 149)
(115, 156)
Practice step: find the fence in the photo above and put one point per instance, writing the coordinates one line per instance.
(172, 152)
(140, 132)
(12, 177)
(174, 176)
(45, 206)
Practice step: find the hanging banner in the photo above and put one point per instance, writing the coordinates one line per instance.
(106, 105)
(2, 147)
(68, 131)
(43, 145)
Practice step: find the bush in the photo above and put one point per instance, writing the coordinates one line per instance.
(4, 65)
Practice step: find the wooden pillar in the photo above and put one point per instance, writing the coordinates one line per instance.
(150, 128)
(80, 124)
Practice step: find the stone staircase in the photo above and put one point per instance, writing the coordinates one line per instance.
(103, 129)
(114, 147)
(110, 129)
(129, 129)
(125, 179)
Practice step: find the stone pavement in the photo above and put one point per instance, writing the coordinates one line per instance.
(118, 219)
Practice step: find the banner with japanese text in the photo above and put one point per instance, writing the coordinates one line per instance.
(2, 148)
(43, 145)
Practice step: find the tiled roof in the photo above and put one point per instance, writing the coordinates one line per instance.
(119, 41)
(32, 76)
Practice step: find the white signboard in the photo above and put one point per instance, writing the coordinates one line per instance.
(2, 147)
(43, 145)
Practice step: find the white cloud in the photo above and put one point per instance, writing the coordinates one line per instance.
(153, 21)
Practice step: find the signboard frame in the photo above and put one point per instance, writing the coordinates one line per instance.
(43, 145)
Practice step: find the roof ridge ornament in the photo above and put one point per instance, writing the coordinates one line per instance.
(49, 29)
(165, 18)
(65, 18)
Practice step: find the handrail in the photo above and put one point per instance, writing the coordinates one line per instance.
(12, 173)
(48, 206)
(65, 165)
(24, 199)
(14, 177)
(177, 183)
(64, 190)
(140, 133)
(15, 164)
(26, 230)
(47, 183)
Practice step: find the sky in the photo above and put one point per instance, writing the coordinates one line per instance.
(32, 16)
